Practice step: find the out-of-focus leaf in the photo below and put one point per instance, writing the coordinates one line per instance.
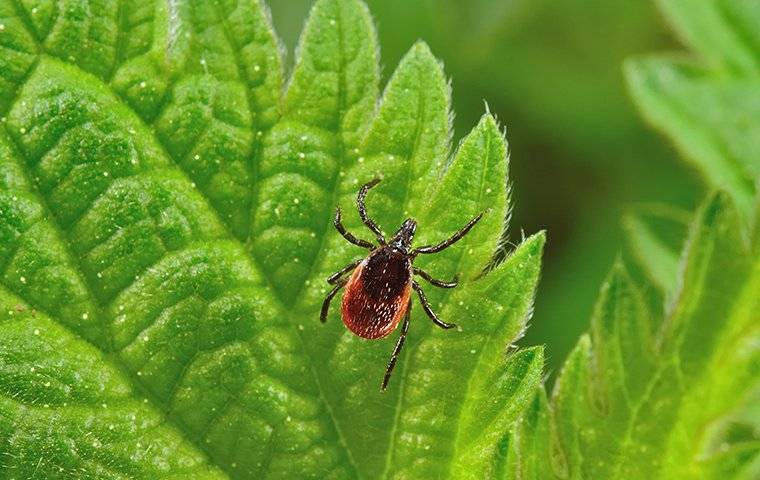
(644, 397)
(709, 107)
(655, 234)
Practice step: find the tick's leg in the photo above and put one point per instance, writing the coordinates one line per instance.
(428, 310)
(363, 211)
(454, 238)
(348, 235)
(326, 304)
(397, 350)
(433, 281)
(333, 279)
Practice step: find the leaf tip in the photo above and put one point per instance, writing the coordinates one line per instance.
(536, 242)
(421, 57)
(532, 355)
(489, 124)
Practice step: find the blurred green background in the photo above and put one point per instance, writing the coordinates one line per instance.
(580, 155)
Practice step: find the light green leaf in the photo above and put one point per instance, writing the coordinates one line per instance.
(496, 402)
(724, 32)
(709, 107)
(672, 397)
(65, 412)
(654, 235)
(528, 449)
(165, 235)
(327, 108)
(711, 119)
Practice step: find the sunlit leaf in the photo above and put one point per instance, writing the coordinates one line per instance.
(166, 200)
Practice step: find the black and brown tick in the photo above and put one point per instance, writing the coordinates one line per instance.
(378, 290)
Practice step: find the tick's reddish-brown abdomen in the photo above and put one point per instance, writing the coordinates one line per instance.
(377, 294)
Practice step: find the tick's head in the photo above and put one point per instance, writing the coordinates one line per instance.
(404, 236)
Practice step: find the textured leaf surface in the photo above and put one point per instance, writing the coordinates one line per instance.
(645, 396)
(709, 107)
(166, 199)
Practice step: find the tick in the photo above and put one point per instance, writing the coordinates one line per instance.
(378, 289)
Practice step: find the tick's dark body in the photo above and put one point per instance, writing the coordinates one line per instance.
(377, 294)
(378, 290)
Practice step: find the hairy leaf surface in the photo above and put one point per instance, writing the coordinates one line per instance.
(166, 200)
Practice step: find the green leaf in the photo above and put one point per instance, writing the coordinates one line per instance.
(67, 412)
(165, 234)
(672, 397)
(528, 447)
(724, 32)
(654, 235)
(328, 105)
(496, 402)
(708, 107)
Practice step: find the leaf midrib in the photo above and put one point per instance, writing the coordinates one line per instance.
(680, 310)
(405, 354)
(447, 294)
